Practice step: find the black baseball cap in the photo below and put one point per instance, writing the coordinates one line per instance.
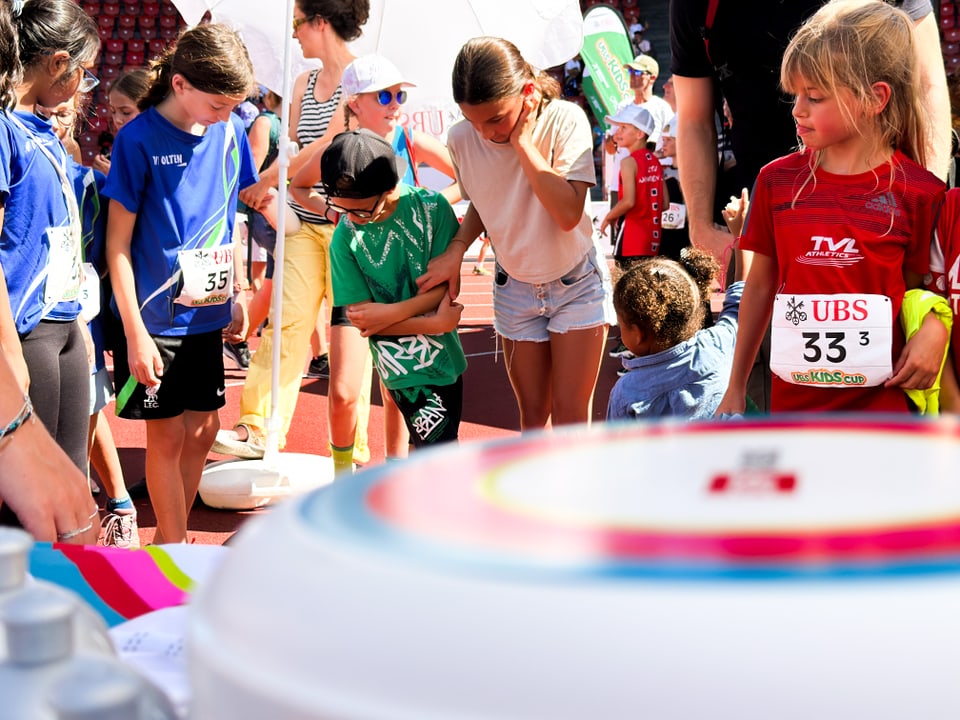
(359, 164)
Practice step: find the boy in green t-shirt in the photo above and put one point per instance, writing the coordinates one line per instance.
(387, 234)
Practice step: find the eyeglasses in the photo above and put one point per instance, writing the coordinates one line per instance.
(362, 214)
(634, 71)
(297, 22)
(64, 118)
(88, 82)
(385, 97)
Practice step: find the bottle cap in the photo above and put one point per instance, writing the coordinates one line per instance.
(39, 622)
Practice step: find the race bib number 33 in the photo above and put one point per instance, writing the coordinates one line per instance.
(842, 340)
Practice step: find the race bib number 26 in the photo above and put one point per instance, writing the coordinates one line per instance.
(841, 340)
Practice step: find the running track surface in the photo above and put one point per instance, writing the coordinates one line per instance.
(489, 410)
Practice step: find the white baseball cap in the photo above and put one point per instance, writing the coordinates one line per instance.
(670, 129)
(370, 73)
(639, 117)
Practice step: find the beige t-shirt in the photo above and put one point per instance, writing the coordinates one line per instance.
(529, 244)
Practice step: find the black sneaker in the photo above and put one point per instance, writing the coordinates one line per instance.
(239, 353)
(622, 371)
(319, 367)
(621, 351)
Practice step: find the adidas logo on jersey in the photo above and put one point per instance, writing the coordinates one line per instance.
(885, 203)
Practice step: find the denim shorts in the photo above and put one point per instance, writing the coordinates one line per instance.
(530, 312)
(261, 232)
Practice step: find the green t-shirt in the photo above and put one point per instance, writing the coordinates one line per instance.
(380, 261)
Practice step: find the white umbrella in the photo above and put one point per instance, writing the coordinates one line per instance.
(422, 38)
(264, 32)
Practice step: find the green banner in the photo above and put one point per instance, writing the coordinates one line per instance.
(606, 47)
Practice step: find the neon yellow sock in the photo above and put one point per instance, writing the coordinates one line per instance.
(342, 459)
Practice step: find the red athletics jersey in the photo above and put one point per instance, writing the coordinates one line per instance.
(944, 277)
(843, 234)
(641, 223)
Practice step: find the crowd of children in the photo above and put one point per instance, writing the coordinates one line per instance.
(836, 235)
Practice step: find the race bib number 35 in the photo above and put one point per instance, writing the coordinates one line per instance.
(207, 276)
(835, 341)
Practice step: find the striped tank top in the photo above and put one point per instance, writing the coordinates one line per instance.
(314, 118)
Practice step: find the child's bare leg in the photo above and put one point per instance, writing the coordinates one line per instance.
(395, 434)
(104, 457)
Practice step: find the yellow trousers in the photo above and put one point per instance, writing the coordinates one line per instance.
(306, 281)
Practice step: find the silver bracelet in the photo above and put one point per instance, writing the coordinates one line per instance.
(26, 412)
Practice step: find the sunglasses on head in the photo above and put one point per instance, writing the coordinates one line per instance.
(385, 97)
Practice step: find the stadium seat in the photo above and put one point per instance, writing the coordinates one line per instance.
(157, 46)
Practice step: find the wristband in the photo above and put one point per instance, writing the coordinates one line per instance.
(26, 412)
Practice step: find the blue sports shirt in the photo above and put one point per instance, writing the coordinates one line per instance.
(183, 189)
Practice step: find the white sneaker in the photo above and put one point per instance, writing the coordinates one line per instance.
(228, 442)
(120, 530)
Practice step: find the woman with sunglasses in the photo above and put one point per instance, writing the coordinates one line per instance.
(323, 28)
(40, 245)
(374, 92)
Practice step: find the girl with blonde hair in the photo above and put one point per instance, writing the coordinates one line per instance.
(841, 228)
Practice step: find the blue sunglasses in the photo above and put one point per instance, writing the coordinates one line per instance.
(385, 97)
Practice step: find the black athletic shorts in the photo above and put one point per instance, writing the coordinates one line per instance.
(432, 412)
(192, 378)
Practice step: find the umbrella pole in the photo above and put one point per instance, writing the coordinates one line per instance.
(284, 151)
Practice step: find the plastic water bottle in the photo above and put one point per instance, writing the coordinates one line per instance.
(15, 546)
(45, 676)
